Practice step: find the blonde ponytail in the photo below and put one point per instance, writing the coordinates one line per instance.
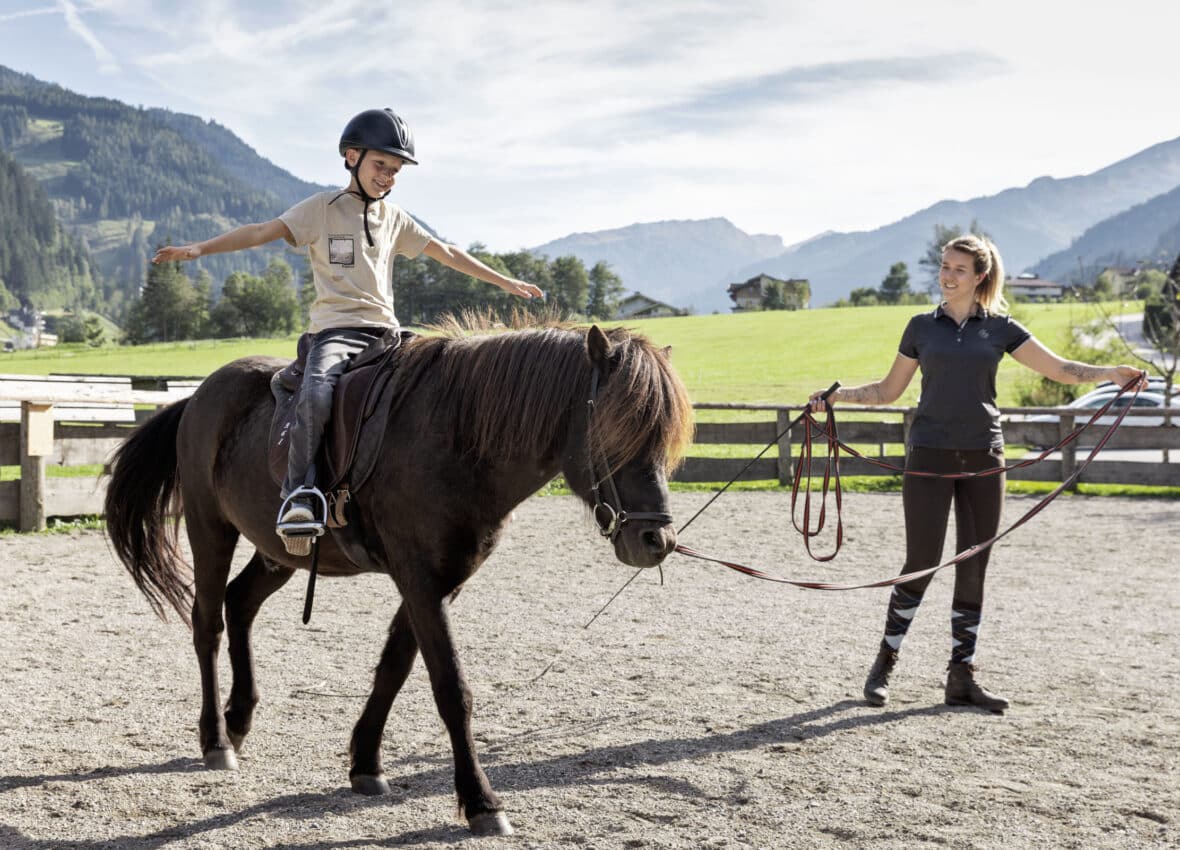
(990, 293)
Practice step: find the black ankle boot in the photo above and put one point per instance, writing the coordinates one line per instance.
(877, 684)
(962, 689)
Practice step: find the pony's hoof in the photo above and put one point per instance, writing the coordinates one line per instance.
(490, 823)
(371, 785)
(236, 740)
(221, 760)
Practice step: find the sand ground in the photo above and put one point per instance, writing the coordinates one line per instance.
(711, 711)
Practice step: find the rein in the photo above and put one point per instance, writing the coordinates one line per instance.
(832, 472)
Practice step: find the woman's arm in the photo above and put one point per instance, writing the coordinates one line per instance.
(1040, 359)
(884, 391)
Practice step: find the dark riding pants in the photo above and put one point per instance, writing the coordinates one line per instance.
(927, 501)
(327, 359)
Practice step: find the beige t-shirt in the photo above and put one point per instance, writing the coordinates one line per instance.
(353, 280)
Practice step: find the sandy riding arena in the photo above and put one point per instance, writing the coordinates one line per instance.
(714, 711)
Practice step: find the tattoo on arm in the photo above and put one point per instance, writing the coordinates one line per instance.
(1083, 372)
(867, 394)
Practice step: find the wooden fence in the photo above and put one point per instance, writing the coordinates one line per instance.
(80, 420)
(886, 429)
(69, 420)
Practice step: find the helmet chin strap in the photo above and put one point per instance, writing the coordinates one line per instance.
(365, 196)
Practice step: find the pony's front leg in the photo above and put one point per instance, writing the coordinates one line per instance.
(397, 659)
(480, 805)
(244, 596)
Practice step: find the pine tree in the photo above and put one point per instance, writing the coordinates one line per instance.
(606, 291)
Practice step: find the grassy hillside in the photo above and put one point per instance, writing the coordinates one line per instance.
(771, 357)
(125, 180)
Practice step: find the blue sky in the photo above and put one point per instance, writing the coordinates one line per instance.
(536, 119)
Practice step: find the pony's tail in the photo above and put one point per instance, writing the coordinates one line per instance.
(141, 494)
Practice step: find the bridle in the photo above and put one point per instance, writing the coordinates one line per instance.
(609, 517)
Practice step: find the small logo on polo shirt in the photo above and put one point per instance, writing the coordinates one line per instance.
(984, 333)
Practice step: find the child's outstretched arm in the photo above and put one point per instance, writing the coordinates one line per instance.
(459, 260)
(246, 236)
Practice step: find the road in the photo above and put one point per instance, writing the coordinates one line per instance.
(1131, 455)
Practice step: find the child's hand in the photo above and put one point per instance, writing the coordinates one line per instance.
(173, 253)
(524, 290)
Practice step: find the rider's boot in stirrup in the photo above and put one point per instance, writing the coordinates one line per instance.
(301, 519)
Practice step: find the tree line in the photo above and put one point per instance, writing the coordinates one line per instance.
(40, 263)
(173, 306)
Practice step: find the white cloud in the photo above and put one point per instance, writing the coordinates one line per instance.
(537, 118)
(28, 13)
(106, 60)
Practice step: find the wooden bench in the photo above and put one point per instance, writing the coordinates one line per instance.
(106, 404)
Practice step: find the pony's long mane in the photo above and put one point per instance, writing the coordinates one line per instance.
(511, 394)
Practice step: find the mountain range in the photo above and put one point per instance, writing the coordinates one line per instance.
(680, 262)
(1120, 215)
(124, 179)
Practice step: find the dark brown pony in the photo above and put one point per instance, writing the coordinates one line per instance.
(480, 423)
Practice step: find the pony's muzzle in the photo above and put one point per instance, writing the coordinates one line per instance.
(645, 543)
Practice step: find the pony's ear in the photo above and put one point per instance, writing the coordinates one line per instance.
(599, 347)
(667, 352)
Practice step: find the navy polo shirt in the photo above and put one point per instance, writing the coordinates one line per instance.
(957, 407)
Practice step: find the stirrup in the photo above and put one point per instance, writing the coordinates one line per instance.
(297, 536)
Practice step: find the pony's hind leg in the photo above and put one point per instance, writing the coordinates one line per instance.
(243, 598)
(397, 659)
(213, 549)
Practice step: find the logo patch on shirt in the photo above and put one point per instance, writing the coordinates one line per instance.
(341, 250)
(984, 333)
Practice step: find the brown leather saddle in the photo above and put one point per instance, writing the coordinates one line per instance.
(360, 407)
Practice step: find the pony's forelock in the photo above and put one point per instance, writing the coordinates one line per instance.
(644, 411)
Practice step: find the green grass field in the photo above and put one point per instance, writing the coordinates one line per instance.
(189, 359)
(776, 357)
(758, 358)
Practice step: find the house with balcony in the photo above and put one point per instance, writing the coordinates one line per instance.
(794, 293)
(1029, 287)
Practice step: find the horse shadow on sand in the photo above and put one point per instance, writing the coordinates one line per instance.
(591, 767)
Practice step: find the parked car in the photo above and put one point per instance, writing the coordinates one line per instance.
(1091, 401)
(1155, 384)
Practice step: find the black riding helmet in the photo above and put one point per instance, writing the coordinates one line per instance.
(379, 130)
(376, 130)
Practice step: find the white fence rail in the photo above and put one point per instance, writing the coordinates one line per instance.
(37, 426)
(81, 420)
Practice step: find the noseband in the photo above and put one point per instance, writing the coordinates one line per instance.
(609, 517)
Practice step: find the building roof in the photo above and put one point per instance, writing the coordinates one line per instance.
(1031, 281)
